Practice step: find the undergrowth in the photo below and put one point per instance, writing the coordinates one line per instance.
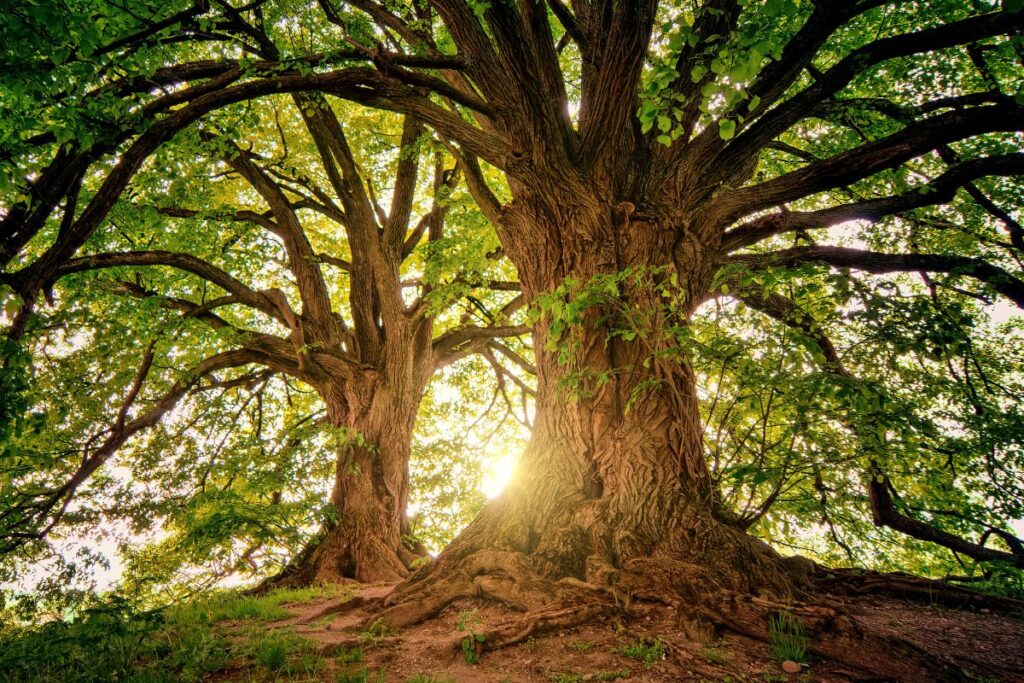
(787, 638)
(113, 640)
(646, 651)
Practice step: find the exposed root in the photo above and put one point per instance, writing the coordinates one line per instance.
(342, 607)
(706, 598)
(502, 576)
(859, 582)
(830, 635)
(538, 622)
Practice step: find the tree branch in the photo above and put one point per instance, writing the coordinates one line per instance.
(876, 262)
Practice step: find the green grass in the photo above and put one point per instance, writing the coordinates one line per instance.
(566, 678)
(427, 678)
(787, 638)
(646, 651)
(114, 641)
(583, 646)
(612, 675)
(274, 650)
(714, 655)
(350, 655)
(360, 675)
(236, 606)
(378, 630)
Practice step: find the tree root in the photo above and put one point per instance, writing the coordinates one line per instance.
(836, 636)
(860, 582)
(500, 576)
(701, 595)
(538, 622)
(342, 607)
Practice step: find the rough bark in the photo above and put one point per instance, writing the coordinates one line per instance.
(367, 538)
(613, 488)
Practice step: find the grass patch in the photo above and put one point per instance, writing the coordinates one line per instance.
(350, 655)
(378, 630)
(274, 650)
(646, 651)
(787, 638)
(568, 677)
(360, 675)
(583, 645)
(112, 641)
(612, 675)
(236, 606)
(427, 678)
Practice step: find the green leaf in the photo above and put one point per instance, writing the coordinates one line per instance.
(726, 129)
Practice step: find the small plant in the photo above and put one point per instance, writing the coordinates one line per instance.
(611, 675)
(468, 619)
(644, 651)
(377, 630)
(787, 638)
(583, 646)
(566, 678)
(273, 649)
(470, 644)
(360, 675)
(350, 655)
(310, 664)
(714, 655)
(426, 678)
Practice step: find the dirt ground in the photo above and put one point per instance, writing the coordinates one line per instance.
(954, 644)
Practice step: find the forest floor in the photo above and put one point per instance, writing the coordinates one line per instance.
(647, 642)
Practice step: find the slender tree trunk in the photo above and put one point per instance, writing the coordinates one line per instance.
(367, 538)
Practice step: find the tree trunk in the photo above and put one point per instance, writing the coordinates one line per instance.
(367, 540)
(613, 489)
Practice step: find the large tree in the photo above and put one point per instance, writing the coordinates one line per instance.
(652, 155)
(362, 334)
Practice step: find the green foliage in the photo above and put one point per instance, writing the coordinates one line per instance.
(471, 644)
(275, 650)
(648, 651)
(426, 678)
(350, 655)
(360, 675)
(566, 677)
(715, 655)
(787, 637)
(377, 631)
(112, 641)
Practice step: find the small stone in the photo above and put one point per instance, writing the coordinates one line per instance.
(790, 667)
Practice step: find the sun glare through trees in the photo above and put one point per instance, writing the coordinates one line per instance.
(484, 340)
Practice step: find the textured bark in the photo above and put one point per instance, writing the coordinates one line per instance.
(613, 488)
(368, 539)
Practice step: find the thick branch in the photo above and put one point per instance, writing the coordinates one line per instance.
(876, 262)
(870, 158)
(186, 262)
(939, 191)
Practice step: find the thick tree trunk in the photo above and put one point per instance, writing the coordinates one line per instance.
(602, 487)
(613, 489)
(367, 540)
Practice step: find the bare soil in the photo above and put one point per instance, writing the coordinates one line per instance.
(976, 644)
